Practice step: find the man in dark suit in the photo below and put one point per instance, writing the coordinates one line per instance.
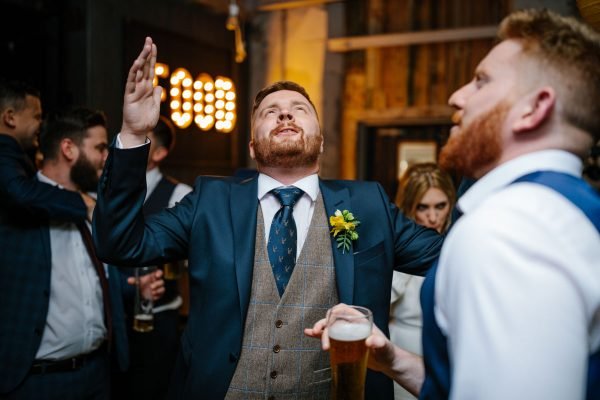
(244, 336)
(81, 303)
(25, 206)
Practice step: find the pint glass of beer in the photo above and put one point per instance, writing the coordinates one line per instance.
(348, 328)
(172, 270)
(143, 318)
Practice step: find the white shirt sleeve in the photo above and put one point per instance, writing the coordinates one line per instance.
(119, 144)
(511, 298)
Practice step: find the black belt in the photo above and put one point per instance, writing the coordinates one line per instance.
(68, 364)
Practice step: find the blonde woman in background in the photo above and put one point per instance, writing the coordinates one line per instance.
(426, 194)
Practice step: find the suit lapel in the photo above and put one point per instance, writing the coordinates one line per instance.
(336, 197)
(243, 205)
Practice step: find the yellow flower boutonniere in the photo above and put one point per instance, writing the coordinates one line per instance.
(343, 226)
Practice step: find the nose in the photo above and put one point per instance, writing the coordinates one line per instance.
(285, 116)
(432, 217)
(459, 98)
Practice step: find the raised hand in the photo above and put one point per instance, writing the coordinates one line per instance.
(141, 103)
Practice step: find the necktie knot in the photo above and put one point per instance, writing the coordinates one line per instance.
(288, 196)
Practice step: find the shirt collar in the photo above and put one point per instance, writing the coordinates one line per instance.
(499, 177)
(309, 185)
(43, 178)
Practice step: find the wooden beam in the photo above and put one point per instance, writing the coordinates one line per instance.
(410, 38)
(286, 5)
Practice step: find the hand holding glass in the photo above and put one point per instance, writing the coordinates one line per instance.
(348, 327)
(143, 318)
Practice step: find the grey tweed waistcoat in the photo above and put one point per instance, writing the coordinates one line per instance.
(277, 361)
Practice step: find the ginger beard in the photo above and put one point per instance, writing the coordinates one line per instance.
(297, 151)
(477, 146)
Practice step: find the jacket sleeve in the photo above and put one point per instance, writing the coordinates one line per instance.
(415, 247)
(36, 198)
(122, 235)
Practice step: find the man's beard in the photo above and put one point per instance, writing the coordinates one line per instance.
(477, 146)
(298, 152)
(84, 175)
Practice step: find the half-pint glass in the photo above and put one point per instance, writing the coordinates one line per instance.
(143, 318)
(348, 328)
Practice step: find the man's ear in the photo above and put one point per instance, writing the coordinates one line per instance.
(251, 149)
(69, 150)
(8, 118)
(159, 154)
(535, 110)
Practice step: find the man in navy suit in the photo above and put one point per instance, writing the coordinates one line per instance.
(25, 206)
(244, 336)
(69, 359)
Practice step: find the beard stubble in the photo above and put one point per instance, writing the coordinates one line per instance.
(477, 146)
(301, 152)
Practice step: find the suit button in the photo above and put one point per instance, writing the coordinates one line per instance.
(278, 323)
(276, 348)
(273, 374)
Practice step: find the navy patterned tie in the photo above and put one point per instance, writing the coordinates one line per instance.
(283, 237)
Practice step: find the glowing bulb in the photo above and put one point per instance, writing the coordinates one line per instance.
(197, 85)
(187, 106)
(219, 94)
(187, 82)
(208, 86)
(180, 75)
(198, 96)
(230, 106)
(209, 109)
(209, 98)
(220, 104)
(227, 85)
(174, 92)
(174, 104)
(229, 116)
(198, 108)
(187, 94)
(174, 80)
(230, 96)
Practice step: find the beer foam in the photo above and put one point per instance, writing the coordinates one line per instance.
(144, 317)
(347, 332)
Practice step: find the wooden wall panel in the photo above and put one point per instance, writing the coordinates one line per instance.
(389, 80)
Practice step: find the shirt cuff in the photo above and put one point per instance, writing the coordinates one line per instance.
(119, 145)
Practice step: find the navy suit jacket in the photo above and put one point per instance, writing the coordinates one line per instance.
(214, 227)
(26, 205)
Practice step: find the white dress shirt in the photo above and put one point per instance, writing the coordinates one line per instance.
(303, 210)
(154, 176)
(75, 320)
(518, 287)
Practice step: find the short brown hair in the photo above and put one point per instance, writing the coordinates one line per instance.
(276, 87)
(416, 181)
(566, 48)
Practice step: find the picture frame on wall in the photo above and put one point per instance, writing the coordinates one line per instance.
(415, 151)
